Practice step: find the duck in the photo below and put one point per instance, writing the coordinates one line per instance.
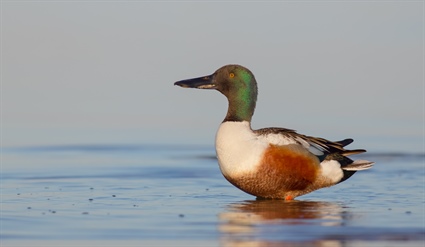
(271, 163)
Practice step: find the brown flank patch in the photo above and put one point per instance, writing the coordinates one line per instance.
(285, 172)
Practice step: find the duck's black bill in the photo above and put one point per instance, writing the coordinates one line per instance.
(204, 82)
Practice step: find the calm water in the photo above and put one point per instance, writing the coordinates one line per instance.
(176, 196)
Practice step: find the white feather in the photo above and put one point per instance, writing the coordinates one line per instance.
(331, 169)
(277, 139)
(359, 165)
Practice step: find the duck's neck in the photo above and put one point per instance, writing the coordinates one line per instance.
(242, 105)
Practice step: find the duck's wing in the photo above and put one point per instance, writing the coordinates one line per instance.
(316, 145)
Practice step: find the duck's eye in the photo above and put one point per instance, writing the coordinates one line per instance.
(231, 75)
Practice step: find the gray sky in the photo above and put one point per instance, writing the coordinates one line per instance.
(103, 72)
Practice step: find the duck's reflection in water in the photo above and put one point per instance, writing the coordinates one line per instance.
(282, 223)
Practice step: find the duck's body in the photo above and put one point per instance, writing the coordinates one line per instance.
(272, 162)
(279, 163)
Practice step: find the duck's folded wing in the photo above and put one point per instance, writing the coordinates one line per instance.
(316, 145)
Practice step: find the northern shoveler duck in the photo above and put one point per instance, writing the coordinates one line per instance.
(274, 163)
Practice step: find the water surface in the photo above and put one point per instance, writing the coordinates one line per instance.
(176, 196)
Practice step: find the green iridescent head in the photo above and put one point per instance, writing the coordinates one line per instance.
(237, 83)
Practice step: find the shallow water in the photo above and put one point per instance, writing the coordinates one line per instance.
(176, 196)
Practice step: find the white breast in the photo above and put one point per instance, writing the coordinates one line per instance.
(238, 149)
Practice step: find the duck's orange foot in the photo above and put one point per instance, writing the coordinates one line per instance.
(289, 198)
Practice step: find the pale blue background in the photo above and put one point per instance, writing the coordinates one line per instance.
(95, 72)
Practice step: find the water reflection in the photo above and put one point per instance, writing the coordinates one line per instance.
(277, 222)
